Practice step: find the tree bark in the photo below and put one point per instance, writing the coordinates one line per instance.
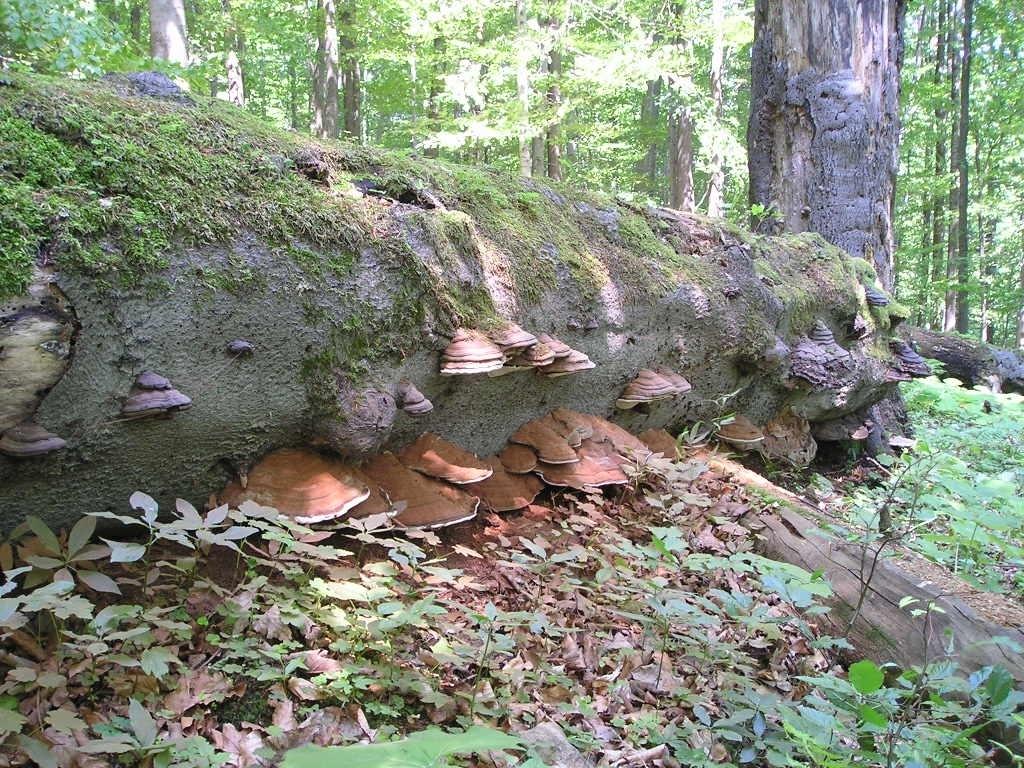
(823, 133)
(135, 21)
(232, 63)
(351, 78)
(963, 263)
(973, 362)
(523, 91)
(716, 182)
(651, 124)
(325, 73)
(168, 35)
(952, 219)
(938, 198)
(680, 160)
(554, 130)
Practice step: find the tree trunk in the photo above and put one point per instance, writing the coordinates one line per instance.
(554, 131)
(350, 78)
(963, 262)
(651, 124)
(523, 91)
(716, 181)
(823, 133)
(952, 222)
(325, 73)
(938, 198)
(680, 160)
(135, 21)
(972, 362)
(168, 36)
(232, 64)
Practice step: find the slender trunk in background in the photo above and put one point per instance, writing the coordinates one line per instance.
(1020, 312)
(963, 261)
(325, 73)
(293, 95)
(168, 36)
(554, 131)
(538, 156)
(838, 67)
(135, 21)
(650, 122)
(716, 182)
(938, 198)
(680, 160)
(952, 237)
(234, 43)
(350, 77)
(523, 91)
(434, 95)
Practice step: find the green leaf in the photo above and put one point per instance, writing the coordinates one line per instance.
(39, 752)
(157, 661)
(999, 685)
(99, 581)
(143, 724)
(144, 503)
(65, 721)
(420, 750)
(872, 716)
(46, 537)
(10, 721)
(80, 535)
(866, 677)
(125, 552)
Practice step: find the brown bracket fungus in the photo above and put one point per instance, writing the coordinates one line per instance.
(412, 400)
(819, 360)
(511, 337)
(625, 443)
(559, 348)
(428, 503)
(788, 437)
(574, 362)
(301, 484)
(741, 433)
(551, 447)
(906, 360)
(660, 441)
(821, 334)
(430, 455)
(506, 492)
(682, 385)
(153, 395)
(517, 459)
(536, 356)
(599, 465)
(470, 352)
(29, 439)
(647, 387)
(571, 423)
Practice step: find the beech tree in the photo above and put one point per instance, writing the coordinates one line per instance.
(168, 36)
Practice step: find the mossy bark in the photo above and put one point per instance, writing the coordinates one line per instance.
(347, 269)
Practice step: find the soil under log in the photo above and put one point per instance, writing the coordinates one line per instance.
(177, 229)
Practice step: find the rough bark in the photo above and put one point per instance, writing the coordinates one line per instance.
(975, 363)
(823, 132)
(325, 73)
(963, 258)
(339, 317)
(680, 160)
(168, 37)
(867, 591)
(351, 80)
(651, 123)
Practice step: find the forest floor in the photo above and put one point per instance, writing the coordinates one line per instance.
(640, 623)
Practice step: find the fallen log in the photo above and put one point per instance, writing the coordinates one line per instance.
(973, 362)
(870, 594)
(227, 290)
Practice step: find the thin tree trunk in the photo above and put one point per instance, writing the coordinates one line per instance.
(350, 78)
(523, 91)
(1020, 312)
(716, 182)
(168, 35)
(680, 160)
(554, 130)
(325, 73)
(952, 221)
(938, 198)
(235, 44)
(963, 264)
(135, 21)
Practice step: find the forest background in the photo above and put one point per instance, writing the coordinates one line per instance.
(645, 99)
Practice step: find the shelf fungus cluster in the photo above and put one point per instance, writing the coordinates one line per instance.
(818, 358)
(510, 349)
(433, 483)
(906, 362)
(412, 400)
(28, 439)
(153, 395)
(651, 386)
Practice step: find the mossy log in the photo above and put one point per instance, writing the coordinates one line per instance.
(288, 287)
(973, 362)
(896, 607)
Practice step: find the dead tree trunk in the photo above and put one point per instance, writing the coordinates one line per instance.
(972, 362)
(823, 133)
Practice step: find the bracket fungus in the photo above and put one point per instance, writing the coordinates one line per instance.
(412, 400)
(625, 443)
(647, 387)
(430, 455)
(660, 441)
(301, 484)
(470, 352)
(28, 439)
(741, 433)
(574, 362)
(153, 395)
(559, 348)
(517, 459)
(788, 437)
(818, 359)
(506, 492)
(875, 297)
(906, 360)
(512, 337)
(821, 334)
(536, 356)
(551, 447)
(571, 423)
(682, 385)
(599, 465)
(428, 503)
